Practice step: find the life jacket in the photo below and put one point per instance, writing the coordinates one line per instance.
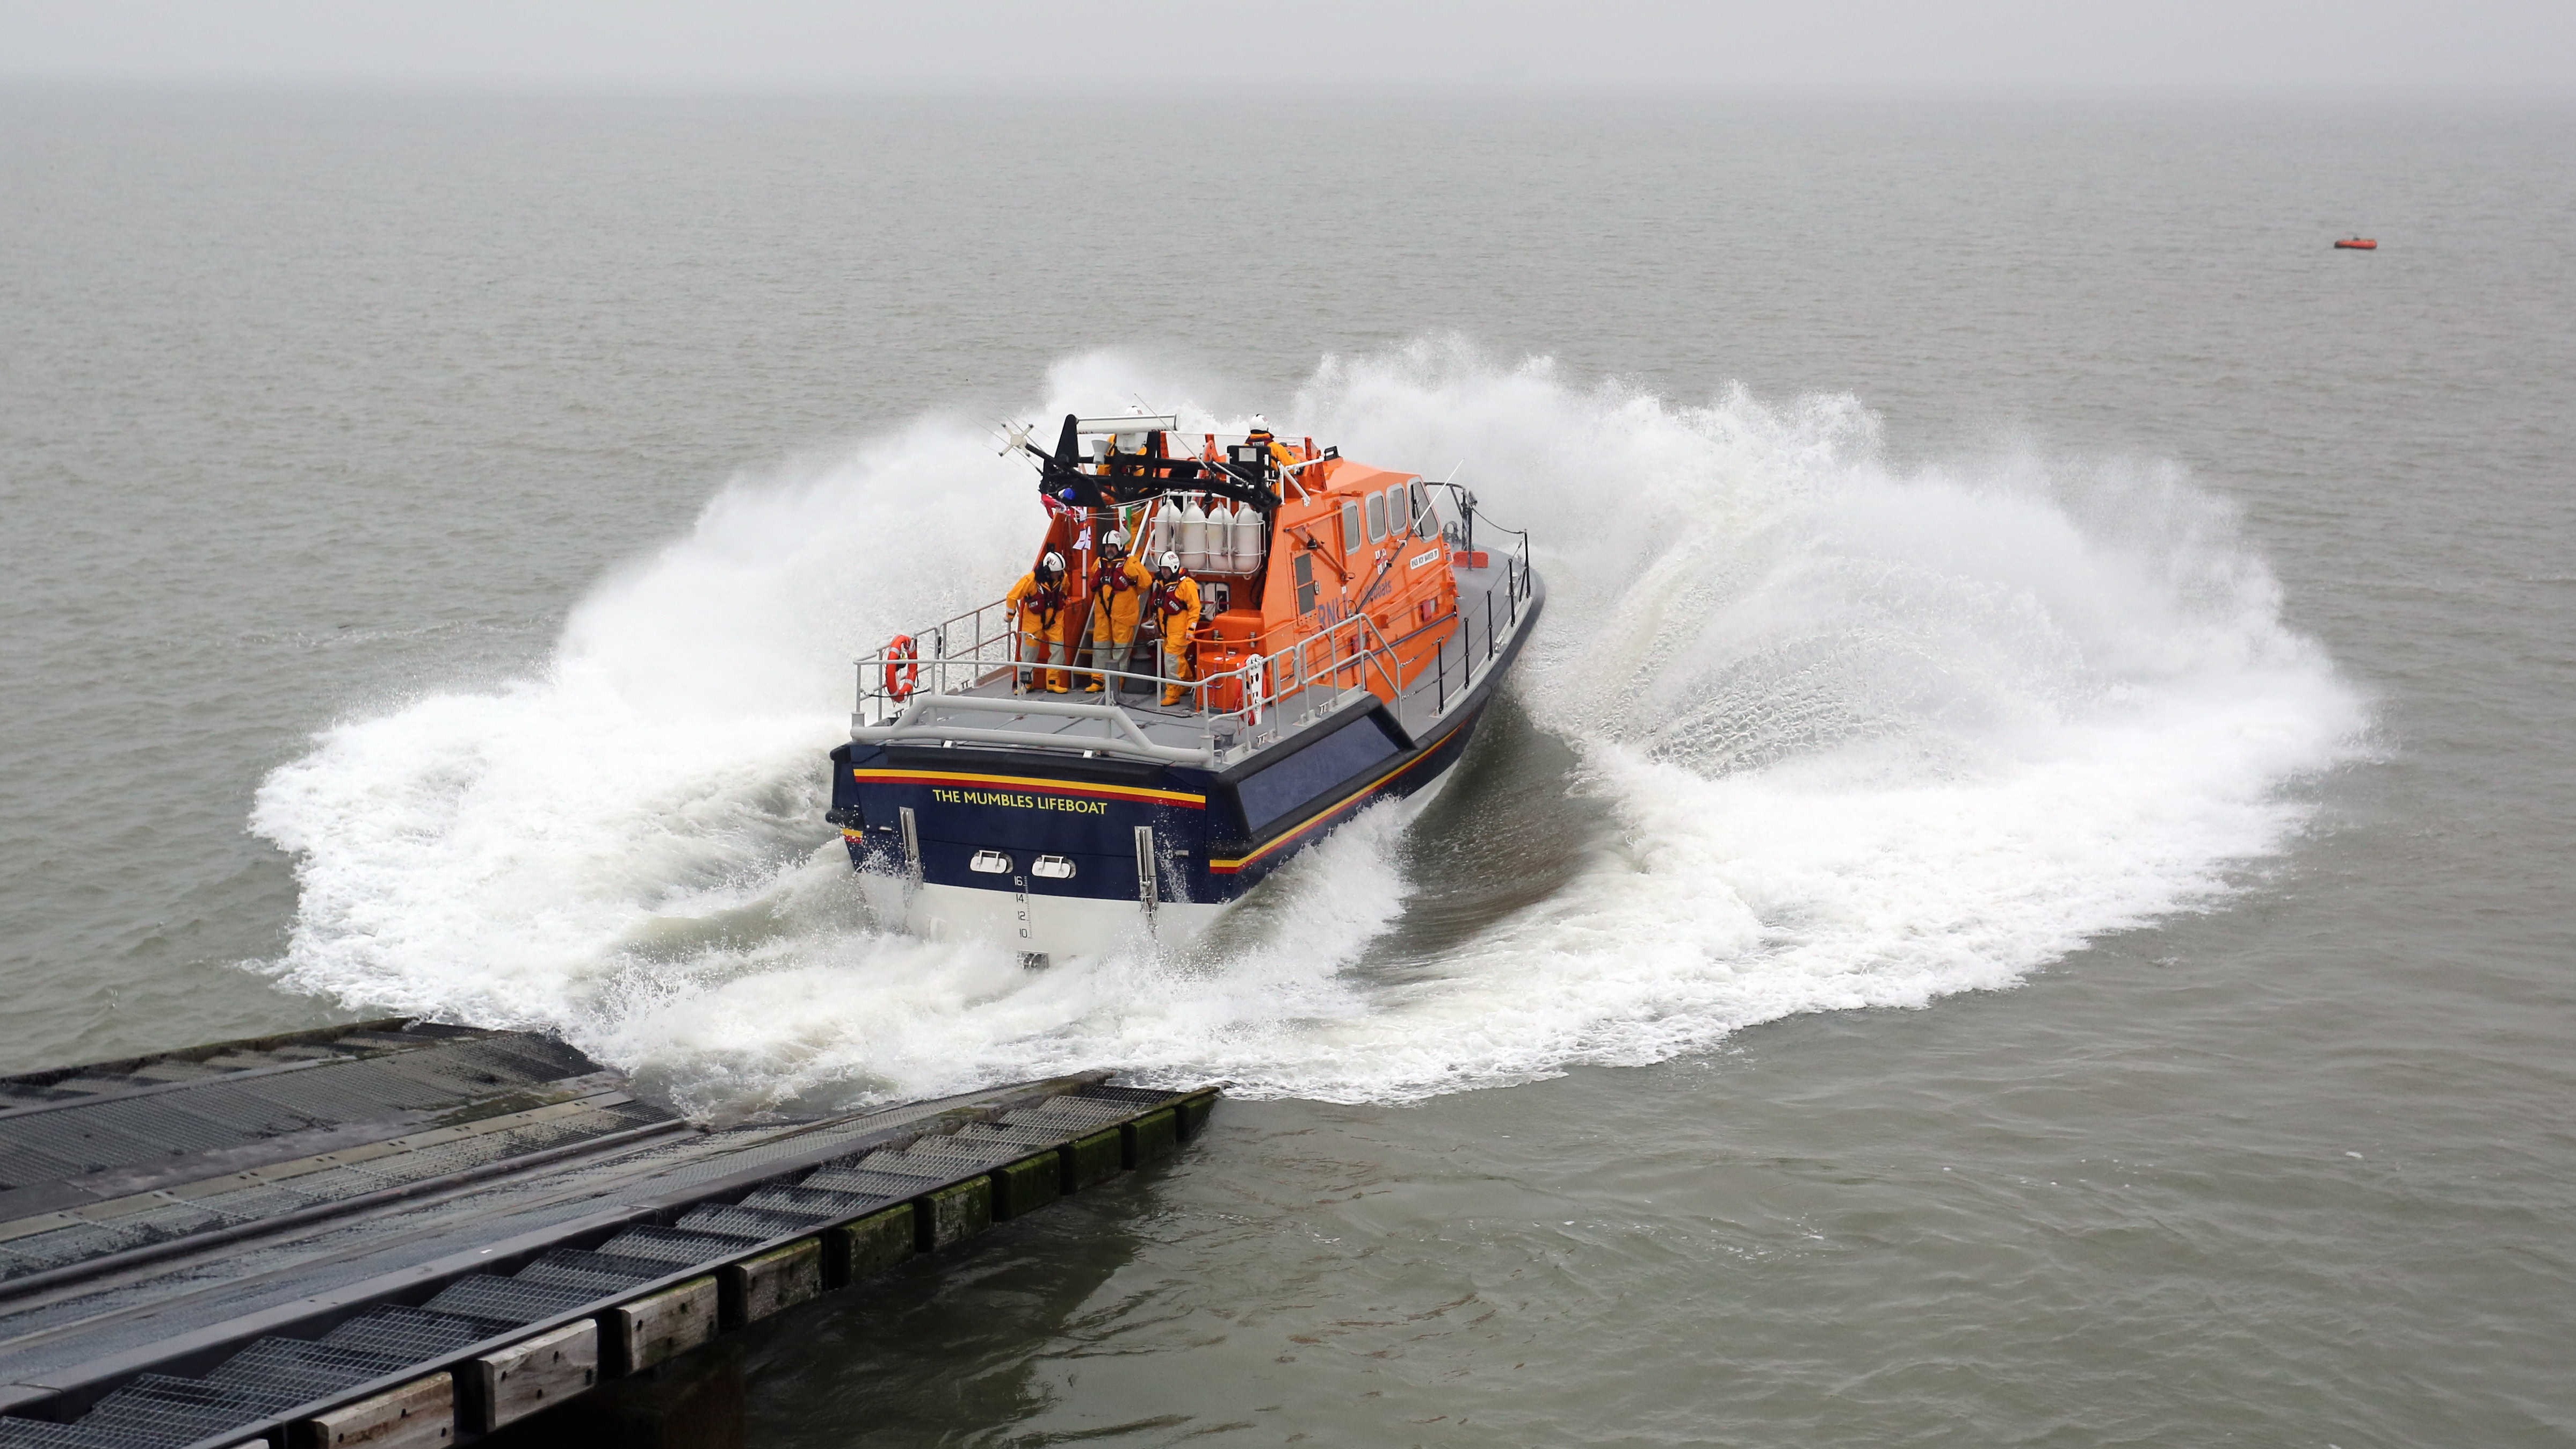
(1044, 600)
(1174, 599)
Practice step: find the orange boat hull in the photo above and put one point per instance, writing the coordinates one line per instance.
(2357, 244)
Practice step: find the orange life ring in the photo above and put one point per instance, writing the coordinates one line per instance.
(902, 668)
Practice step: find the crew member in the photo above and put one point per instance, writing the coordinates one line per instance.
(1280, 453)
(1037, 601)
(1118, 594)
(1174, 606)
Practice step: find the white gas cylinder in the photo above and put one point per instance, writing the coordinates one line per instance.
(1220, 536)
(1247, 539)
(1165, 534)
(1194, 537)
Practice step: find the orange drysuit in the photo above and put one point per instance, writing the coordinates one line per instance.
(1039, 608)
(1175, 610)
(1117, 601)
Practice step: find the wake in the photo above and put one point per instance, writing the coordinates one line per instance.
(1843, 736)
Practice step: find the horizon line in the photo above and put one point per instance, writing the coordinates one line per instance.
(535, 86)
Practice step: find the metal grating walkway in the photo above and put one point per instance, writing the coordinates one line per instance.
(496, 1190)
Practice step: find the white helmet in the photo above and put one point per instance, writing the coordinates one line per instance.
(1053, 563)
(1171, 560)
(1116, 539)
(1260, 424)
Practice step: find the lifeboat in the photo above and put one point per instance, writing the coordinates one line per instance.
(2357, 244)
(1354, 623)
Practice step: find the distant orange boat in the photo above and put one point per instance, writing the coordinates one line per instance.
(2357, 244)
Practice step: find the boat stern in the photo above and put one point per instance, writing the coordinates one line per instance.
(1053, 856)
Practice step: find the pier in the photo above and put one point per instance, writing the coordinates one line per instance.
(401, 1235)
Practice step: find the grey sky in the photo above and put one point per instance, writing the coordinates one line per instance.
(806, 44)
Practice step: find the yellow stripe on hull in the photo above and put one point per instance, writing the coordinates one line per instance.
(1054, 787)
(1229, 867)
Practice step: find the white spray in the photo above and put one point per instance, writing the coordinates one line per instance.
(1865, 739)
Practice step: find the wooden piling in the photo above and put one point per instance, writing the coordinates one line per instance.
(865, 1248)
(1150, 1138)
(757, 1287)
(419, 1415)
(954, 1214)
(649, 1330)
(1092, 1160)
(537, 1374)
(1027, 1185)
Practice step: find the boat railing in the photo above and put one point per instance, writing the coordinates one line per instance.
(959, 661)
(1281, 691)
(972, 661)
(1296, 685)
(950, 657)
(1276, 694)
(1461, 536)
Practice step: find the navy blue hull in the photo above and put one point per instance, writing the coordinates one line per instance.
(1051, 824)
(1216, 835)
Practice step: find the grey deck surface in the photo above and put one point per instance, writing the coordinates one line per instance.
(109, 1161)
(988, 705)
(165, 1294)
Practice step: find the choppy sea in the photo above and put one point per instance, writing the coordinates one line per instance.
(2019, 897)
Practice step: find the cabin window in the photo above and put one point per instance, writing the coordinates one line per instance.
(1351, 539)
(1377, 517)
(1399, 515)
(1305, 583)
(1425, 522)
